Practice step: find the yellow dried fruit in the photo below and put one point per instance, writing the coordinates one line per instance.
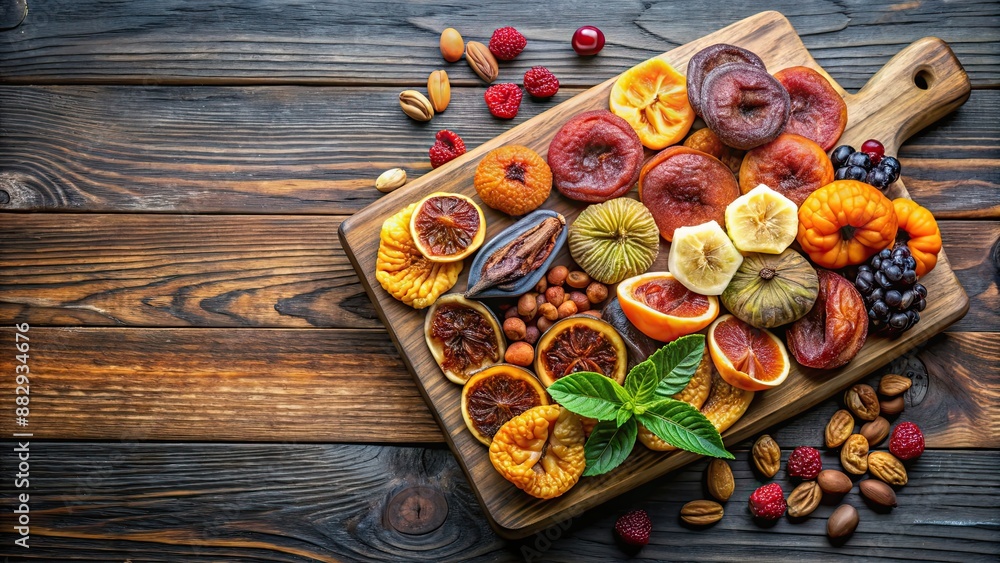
(405, 273)
(540, 451)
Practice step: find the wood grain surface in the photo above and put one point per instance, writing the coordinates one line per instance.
(892, 106)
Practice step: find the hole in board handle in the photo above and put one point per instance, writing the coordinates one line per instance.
(923, 79)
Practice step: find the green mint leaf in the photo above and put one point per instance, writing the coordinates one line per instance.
(679, 424)
(608, 446)
(623, 416)
(589, 394)
(641, 381)
(675, 363)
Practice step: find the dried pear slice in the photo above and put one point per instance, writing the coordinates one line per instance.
(463, 336)
(403, 271)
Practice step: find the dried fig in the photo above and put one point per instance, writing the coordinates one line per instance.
(818, 112)
(833, 332)
(706, 60)
(497, 394)
(595, 156)
(791, 165)
(540, 451)
(744, 105)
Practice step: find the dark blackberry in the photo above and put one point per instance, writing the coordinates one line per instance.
(888, 285)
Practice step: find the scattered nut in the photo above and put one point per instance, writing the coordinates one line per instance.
(514, 328)
(482, 61)
(720, 480)
(566, 309)
(862, 401)
(854, 454)
(439, 90)
(582, 303)
(555, 294)
(841, 426)
(593, 313)
(416, 105)
(766, 455)
(842, 522)
(543, 323)
(597, 292)
(875, 431)
(893, 384)
(390, 180)
(557, 275)
(878, 492)
(701, 512)
(542, 285)
(452, 45)
(834, 482)
(549, 312)
(531, 334)
(885, 466)
(804, 499)
(527, 305)
(892, 407)
(520, 354)
(511, 312)
(577, 279)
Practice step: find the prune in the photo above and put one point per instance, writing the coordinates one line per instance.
(818, 112)
(791, 165)
(595, 156)
(706, 60)
(833, 332)
(744, 105)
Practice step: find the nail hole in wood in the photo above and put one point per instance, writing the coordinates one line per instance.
(923, 79)
(4, 197)
(417, 510)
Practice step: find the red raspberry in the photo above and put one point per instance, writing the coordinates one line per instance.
(634, 528)
(507, 43)
(907, 441)
(540, 82)
(768, 502)
(503, 100)
(447, 146)
(804, 463)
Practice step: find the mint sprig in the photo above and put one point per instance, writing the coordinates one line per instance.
(645, 398)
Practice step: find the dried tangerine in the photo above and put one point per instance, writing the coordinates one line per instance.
(447, 227)
(540, 451)
(653, 98)
(497, 394)
(403, 271)
(513, 179)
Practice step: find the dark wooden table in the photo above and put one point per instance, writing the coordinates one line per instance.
(209, 380)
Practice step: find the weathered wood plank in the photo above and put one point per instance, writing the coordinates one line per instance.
(147, 41)
(318, 150)
(297, 502)
(265, 271)
(351, 386)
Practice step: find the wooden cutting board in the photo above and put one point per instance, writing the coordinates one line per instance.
(918, 86)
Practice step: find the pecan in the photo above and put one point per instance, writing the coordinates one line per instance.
(416, 105)
(720, 480)
(885, 466)
(892, 384)
(841, 426)
(875, 431)
(878, 492)
(439, 90)
(862, 401)
(482, 61)
(766, 455)
(804, 499)
(519, 257)
(854, 454)
(701, 512)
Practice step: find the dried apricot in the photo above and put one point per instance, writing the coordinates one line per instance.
(513, 179)
(653, 98)
(595, 156)
(818, 112)
(540, 451)
(403, 271)
(706, 141)
(705, 61)
(791, 165)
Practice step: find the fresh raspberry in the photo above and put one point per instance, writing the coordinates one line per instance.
(907, 441)
(507, 43)
(804, 463)
(503, 100)
(634, 528)
(540, 82)
(447, 146)
(768, 502)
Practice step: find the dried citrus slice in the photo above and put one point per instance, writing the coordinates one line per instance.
(497, 394)
(750, 358)
(447, 227)
(652, 97)
(403, 271)
(580, 343)
(463, 336)
(662, 308)
(540, 451)
(513, 179)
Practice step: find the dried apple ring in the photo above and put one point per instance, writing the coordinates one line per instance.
(540, 451)
(403, 271)
(652, 97)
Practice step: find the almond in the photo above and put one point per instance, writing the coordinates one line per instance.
(804, 499)
(841, 426)
(439, 90)
(885, 466)
(892, 384)
(891, 407)
(875, 431)
(701, 512)
(720, 480)
(834, 482)
(767, 456)
(451, 44)
(842, 522)
(482, 61)
(416, 105)
(854, 454)
(862, 401)
(878, 492)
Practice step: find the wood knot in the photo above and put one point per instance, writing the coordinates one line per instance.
(4, 197)
(417, 510)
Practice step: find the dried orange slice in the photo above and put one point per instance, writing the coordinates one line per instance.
(750, 358)
(652, 97)
(540, 451)
(513, 179)
(403, 271)
(663, 309)
(497, 394)
(581, 343)
(447, 227)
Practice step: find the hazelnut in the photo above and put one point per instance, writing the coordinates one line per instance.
(527, 305)
(594, 313)
(577, 279)
(540, 300)
(597, 292)
(582, 303)
(557, 275)
(543, 323)
(510, 312)
(531, 334)
(542, 285)
(566, 309)
(555, 295)
(520, 354)
(514, 328)
(549, 312)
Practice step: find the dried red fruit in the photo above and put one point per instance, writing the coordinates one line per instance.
(634, 528)
(833, 332)
(907, 441)
(744, 105)
(447, 146)
(706, 60)
(507, 43)
(818, 112)
(503, 100)
(540, 82)
(768, 502)
(595, 156)
(805, 463)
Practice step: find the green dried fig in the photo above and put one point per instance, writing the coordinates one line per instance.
(614, 240)
(770, 290)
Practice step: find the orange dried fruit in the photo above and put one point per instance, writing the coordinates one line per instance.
(706, 141)
(750, 358)
(497, 394)
(403, 271)
(513, 179)
(447, 227)
(662, 308)
(652, 97)
(581, 343)
(463, 336)
(540, 451)
(791, 165)
(845, 223)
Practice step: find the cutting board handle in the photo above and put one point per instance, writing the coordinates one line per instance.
(918, 86)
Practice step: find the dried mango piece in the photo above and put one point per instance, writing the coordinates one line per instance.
(540, 451)
(653, 98)
(403, 271)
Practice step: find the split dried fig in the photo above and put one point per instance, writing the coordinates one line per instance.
(595, 156)
(791, 165)
(706, 60)
(744, 105)
(817, 111)
(833, 332)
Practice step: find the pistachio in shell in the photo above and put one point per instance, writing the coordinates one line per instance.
(614, 240)
(463, 335)
(771, 290)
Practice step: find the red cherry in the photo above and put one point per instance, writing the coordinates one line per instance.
(874, 150)
(588, 40)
